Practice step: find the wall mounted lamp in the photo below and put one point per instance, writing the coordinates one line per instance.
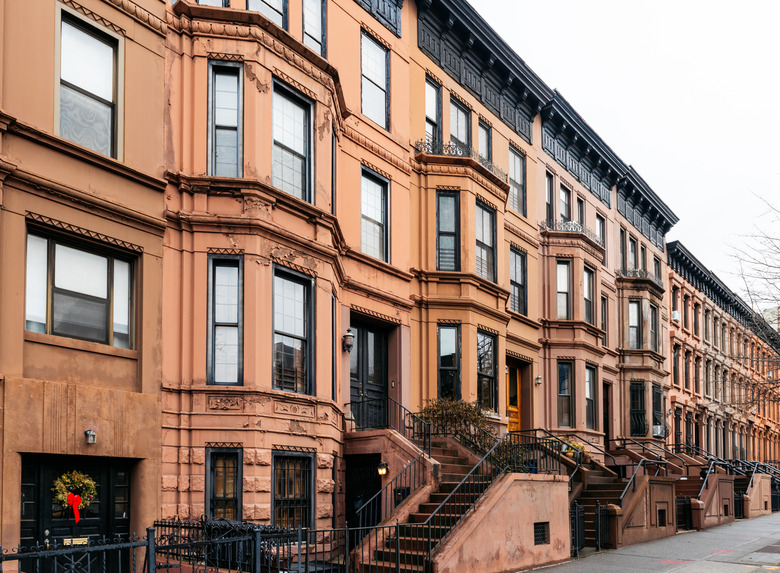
(382, 468)
(538, 380)
(348, 340)
(90, 436)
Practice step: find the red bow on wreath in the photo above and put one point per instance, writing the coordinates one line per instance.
(74, 500)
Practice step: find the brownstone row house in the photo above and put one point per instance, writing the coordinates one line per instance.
(225, 223)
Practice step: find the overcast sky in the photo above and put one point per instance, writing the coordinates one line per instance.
(686, 91)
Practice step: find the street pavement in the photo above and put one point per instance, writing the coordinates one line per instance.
(744, 546)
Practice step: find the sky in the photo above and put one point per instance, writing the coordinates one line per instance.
(685, 91)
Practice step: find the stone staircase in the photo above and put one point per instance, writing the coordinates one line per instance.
(602, 487)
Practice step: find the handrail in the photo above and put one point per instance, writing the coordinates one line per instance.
(366, 414)
(557, 437)
(412, 476)
(642, 463)
(650, 444)
(706, 484)
(592, 445)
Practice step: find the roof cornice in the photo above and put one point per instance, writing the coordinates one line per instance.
(633, 184)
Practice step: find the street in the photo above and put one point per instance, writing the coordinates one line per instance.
(751, 545)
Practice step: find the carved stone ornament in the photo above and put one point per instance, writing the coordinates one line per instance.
(225, 402)
(302, 410)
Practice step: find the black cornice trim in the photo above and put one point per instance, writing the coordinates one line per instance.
(670, 219)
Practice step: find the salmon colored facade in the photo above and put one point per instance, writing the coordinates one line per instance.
(233, 232)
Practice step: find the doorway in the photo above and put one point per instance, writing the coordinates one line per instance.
(606, 414)
(368, 375)
(362, 482)
(518, 403)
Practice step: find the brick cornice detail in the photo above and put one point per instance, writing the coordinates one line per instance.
(376, 149)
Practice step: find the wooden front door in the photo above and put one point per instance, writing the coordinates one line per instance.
(514, 397)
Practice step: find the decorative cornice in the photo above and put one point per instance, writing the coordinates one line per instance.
(517, 231)
(376, 169)
(487, 329)
(61, 225)
(218, 251)
(140, 15)
(296, 84)
(375, 314)
(286, 262)
(449, 321)
(94, 17)
(465, 167)
(482, 199)
(376, 149)
(518, 356)
(225, 57)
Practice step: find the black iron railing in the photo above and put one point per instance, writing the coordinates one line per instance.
(457, 149)
(684, 513)
(739, 505)
(577, 523)
(775, 499)
(659, 451)
(602, 526)
(387, 413)
(383, 503)
(570, 227)
(639, 274)
(642, 465)
(639, 425)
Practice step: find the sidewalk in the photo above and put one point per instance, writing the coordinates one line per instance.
(750, 545)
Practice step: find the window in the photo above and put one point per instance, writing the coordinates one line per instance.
(696, 311)
(314, 25)
(549, 206)
(580, 211)
(448, 231)
(675, 297)
(696, 375)
(563, 296)
(292, 496)
(637, 405)
(643, 257)
(374, 216)
(687, 369)
(449, 362)
(590, 311)
(487, 383)
(623, 248)
(654, 338)
(565, 205)
(686, 304)
(604, 319)
(225, 119)
(517, 281)
(708, 378)
(486, 254)
(274, 10)
(293, 330)
(375, 71)
(88, 86)
(634, 324)
(676, 365)
(225, 316)
(78, 292)
(224, 473)
(657, 267)
(715, 331)
(659, 425)
(517, 201)
(632, 253)
(432, 111)
(291, 164)
(216, 3)
(460, 127)
(565, 395)
(601, 234)
(590, 397)
(485, 141)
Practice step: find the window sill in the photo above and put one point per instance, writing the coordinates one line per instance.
(81, 345)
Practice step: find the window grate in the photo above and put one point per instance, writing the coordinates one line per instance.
(541, 533)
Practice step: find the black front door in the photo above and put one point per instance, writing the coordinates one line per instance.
(44, 521)
(362, 483)
(368, 376)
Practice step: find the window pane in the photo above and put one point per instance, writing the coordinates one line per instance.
(374, 102)
(87, 62)
(121, 304)
(85, 121)
(226, 354)
(80, 272)
(447, 213)
(289, 172)
(271, 9)
(289, 307)
(448, 347)
(225, 293)
(431, 102)
(226, 152)
(79, 317)
(372, 231)
(226, 98)
(37, 279)
(373, 61)
(312, 24)
(290, 123)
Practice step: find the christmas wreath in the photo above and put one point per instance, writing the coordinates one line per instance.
(74, 489)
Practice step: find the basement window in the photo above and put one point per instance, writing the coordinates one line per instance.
(541, 533)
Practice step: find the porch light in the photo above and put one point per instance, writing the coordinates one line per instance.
(382, 468)
(348, 340)
(538, 380)
(90, 436)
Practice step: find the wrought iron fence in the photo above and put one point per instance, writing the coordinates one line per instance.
(684, 513)
(457, 149)
(382, 413)
(577, 523)
(739, 505)
(639, 274)
(601, 522)
(120, 555)
(775, 499)
(571, 227)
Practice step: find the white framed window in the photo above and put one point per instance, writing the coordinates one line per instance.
(518, 300)
(589, 281)
(634, 324)
(225, 318)
(291, 171)
(563, 288)
(432, 111)
(460, 127)
(375, 80)
(314, 25)
(374, 240)
(485, 239)
(517, 199)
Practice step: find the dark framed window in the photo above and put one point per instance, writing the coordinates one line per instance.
(517, 198)
(563, 288)
(460, 126)
(375, 80)
(565, 394)
(580, 211)
(225, 119)
(654, 325)
(487, 382)
(274, 10)
(224, 469)
(374, 240)
(687, 369)
(707, 325)
(293, 332)
(605, 320)
(518, 299)
(657, 267)
(589, 281)
(549, 206)
(676, 365)
(659, 425)
(88, 86)
(225, 319)
(565, 205)
(696, 312)
(675, 298)
(622, 241)
(485, 141)
(686, 311)
(643, 257)
(632, 253)
(486, 240)
(432, 110)
(448, 231)
(79, 291)
(634, 324)
(449, 361)
(697, 375)
(638, 413)
(314, 20)
(590, 397)
(215, 3)
(601, 234)
(708, 378)
(291, 170)
(293, 500)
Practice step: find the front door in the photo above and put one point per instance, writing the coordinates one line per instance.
(44, 522)
(368, 376)
(606, 415)
(514, 397)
